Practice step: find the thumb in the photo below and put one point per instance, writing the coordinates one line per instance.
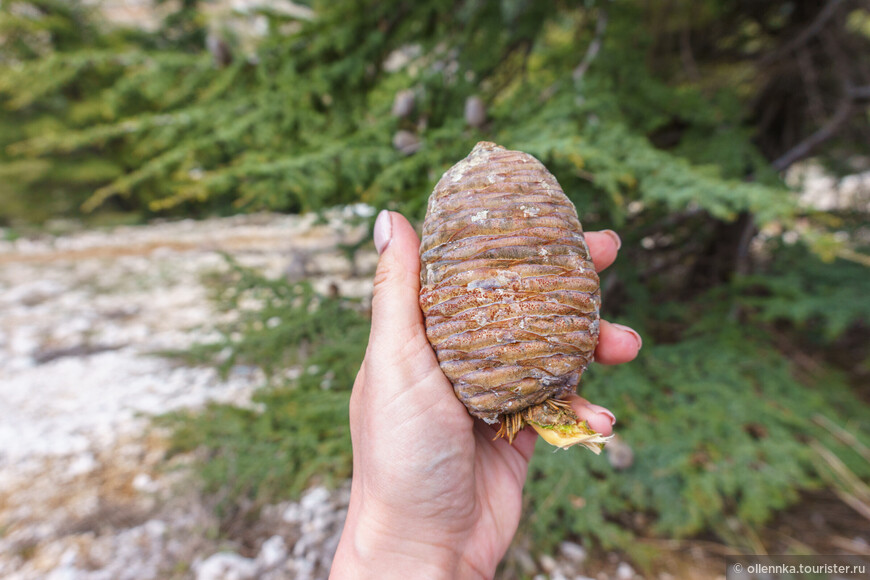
(397, 322)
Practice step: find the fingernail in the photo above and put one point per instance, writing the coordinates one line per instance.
(599, 410)
(631, 331)
(383, 231)
(614, 236)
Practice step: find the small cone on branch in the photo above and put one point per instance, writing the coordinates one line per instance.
(475, 112)
(219, 49)
(406, 142)
(403, 104)
(509, 294)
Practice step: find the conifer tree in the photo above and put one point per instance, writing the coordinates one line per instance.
(671, 122)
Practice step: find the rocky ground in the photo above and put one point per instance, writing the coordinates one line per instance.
(85, 492)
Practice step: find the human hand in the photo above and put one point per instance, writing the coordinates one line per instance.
(434, 495)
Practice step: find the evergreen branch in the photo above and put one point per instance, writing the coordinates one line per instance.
(156, 166)
(100, 134)
(27, 83)
(843, 436)
(223, 82)
(847, 485)
(853, 256)
(171, 159)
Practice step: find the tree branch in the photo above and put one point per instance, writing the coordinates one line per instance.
(687, 56)
(860, 93)
(825, 132)
(839, 63)
(811, 85)
(810, 31)
(591, 52)
(594, 46)
(743, 257)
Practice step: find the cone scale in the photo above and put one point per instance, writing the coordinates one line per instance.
(509, 294)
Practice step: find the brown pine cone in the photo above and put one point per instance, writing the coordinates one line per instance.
(510, 294)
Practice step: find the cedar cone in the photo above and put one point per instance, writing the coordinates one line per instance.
(509, 294)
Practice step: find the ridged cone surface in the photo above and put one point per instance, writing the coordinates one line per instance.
(509, 291)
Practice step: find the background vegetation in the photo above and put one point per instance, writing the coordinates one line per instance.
(671, 122)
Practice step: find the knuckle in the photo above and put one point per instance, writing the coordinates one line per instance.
(382, 277)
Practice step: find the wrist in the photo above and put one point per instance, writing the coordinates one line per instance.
(363, 559)
(370, 550)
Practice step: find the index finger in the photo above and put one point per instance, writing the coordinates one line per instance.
(603, 247)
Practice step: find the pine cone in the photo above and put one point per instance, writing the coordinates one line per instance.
(510, 294)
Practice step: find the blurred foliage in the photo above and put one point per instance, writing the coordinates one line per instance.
(822, 299)
(277, 325)
(295, 433)
(155, 126)
(668, 121)
(719, 424)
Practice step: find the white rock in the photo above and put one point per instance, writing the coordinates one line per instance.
(525, 561)
(573, 552)
(155, 528)
(84, 463)
(314, 499)
(226, 566)
(144, 484)
(624, 571)
(272, 553)
(69, 557)
(64, 573)
(292, 514)
(548, 563)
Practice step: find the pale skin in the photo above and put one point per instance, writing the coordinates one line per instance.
(433, 494)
